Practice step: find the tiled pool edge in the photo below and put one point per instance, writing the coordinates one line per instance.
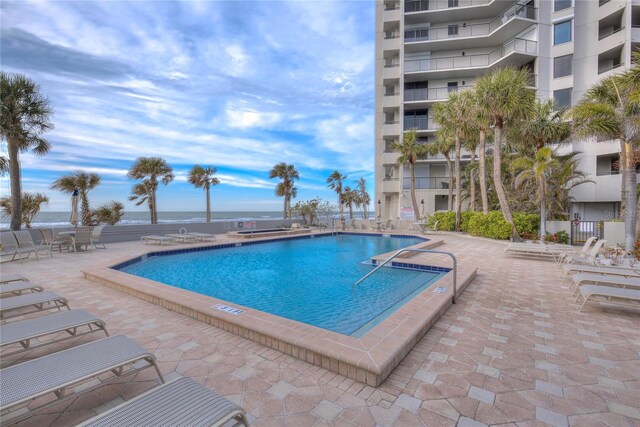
(369, 359)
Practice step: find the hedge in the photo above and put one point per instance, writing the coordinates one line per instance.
(491, 225)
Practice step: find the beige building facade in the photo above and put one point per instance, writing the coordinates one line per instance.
(426, 49)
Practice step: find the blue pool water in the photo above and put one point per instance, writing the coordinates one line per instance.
(308, 279)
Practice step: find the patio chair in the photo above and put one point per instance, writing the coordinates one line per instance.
(584, 251)
(82, 237)
(50, 240)
(156, 239)
(612, 271)
(608, 294)
(181, 402)
(26, 332)
(26, 243)
(60, 373)
(182, 237)
(590, 259)
(533, 250)
(17, 288)
(12, 277)
(96, 236)
(203, 237)
(602, 280)
(9, 244)
(11, 307)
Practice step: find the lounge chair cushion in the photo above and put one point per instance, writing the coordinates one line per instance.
(12, 277)
(19, 287)
(32, 299)
(618, 294)
(179, 403)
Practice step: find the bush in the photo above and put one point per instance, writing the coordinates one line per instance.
(491, 225)
(446, 221)
(559, 237)
(526, 223)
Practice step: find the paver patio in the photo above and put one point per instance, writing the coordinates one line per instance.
(513, 351)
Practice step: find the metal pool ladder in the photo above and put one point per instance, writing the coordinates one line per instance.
(401, 251)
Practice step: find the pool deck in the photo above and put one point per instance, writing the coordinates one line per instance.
(513, 351)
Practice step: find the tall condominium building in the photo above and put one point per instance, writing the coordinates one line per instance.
(426, 49)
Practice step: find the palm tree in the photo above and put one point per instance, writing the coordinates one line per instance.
(111, 213)
(505, 96)
(410, 151)
(24, 118)
(609, 110)
(152, 168)
(31, 203)
(481, 122)
(83, 182)
(143, 192)
(443, 145)
(452, 117)
(544, 126)
(335, 182)
(562, 179)
(202, 177)
(537, 169)
(350, 198)
(365, 199)
(285, 188)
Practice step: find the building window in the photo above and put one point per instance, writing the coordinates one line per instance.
(562, 66)
(453, 3)
(562, 4)
(453, 30)
(562, 98)
(562, 32)
(452, 87)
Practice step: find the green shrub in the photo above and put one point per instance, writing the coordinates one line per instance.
(526, 222)
(559, 237)
(446, 221)
(491, 225)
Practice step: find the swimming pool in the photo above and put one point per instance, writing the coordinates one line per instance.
(304, 279)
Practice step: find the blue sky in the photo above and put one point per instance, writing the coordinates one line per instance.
(241, 85)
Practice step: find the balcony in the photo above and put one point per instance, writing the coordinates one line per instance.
(391, 185)
(514, 52)
(391, 128)
(391, 14)
(420, 123)
(427, 183)
(504, 26)
(431, 94)
(391, 42)
(391, 100)
(389, 157)
(391, 72)
(439, 11)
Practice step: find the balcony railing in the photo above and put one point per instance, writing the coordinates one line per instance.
(427, 183)
(419, 123)
(604, 36)
(602, 2)
(478, 60)
(431, 94)
(421, 5)
(471, 30)
(610, 67)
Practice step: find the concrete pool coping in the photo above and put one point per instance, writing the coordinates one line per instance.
(368, 359)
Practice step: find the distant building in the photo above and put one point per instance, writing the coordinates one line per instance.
(426, 49)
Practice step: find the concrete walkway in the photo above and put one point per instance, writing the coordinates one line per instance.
(513, 351)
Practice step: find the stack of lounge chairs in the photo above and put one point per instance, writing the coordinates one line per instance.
(181, 237)
(604, 284)
(58, 374)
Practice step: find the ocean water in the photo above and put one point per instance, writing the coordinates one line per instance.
(61, 219)
(309, 280)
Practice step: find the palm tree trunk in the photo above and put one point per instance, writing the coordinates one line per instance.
(631, 213)
(450, 173)
(208, 204)
(543, 210)
(284, 209)
(483, 173)
(472, 181)
(497, 178)
(622, 162)
(152, 206)
(84, 208)
(416, 213)
(350, 211)
(150, 203)
(458, 185)
(16, 186)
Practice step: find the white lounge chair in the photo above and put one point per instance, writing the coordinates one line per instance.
(181, 402)
(608, 294)
(9, 245)
(582, 279)
(535, 250)
(182, 237)
(27, 331)
(613, 271)
(26, 245)
(584, 251)
(82, 237)
(60, 373)
(203, 237)
(590, 259)
(50, 240)
(37, 301)
(17, 288)
(12, 277)
(156, 239)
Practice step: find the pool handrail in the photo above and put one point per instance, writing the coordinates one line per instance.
(401, 251)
